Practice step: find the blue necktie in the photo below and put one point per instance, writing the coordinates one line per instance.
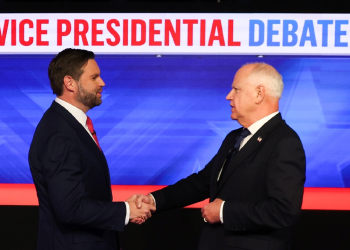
(244, 133)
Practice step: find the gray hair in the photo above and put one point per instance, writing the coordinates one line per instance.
(269, 77)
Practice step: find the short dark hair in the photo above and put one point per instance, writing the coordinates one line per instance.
(67, 62)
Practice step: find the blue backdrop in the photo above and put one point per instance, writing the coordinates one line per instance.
(163, 118)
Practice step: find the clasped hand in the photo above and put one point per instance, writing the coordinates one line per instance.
(141, 208)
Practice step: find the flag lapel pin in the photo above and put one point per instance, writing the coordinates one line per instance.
(259, 139)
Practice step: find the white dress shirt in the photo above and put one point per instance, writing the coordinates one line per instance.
(81, 117)
(252, 129)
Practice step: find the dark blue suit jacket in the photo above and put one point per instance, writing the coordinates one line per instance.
(72, 180)
(262, 188)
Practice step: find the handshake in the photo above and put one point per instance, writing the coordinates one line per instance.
(141, 208)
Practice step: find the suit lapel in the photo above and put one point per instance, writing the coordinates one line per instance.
(253, 144)
(84, 137)
(89, 142)
(221, 161)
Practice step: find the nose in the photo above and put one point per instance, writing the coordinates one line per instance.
(229, 96)
(101, 83)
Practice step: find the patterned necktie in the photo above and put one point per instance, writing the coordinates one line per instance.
(244, 133)
(92, 131)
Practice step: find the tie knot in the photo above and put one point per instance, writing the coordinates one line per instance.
(88, 120)
(245, 132)
(92, 131)
(89, 124)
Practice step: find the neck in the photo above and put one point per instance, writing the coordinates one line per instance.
(258, 115)
(71, 100)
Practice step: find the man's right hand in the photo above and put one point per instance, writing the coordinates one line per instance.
(140, 208)
(145, 199)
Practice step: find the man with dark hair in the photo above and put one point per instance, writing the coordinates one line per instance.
(255, 182)
(69, 169)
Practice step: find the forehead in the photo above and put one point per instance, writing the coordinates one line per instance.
(241, 75)
(91, 67)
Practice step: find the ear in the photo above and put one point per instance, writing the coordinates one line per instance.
(69, 83)
(260, 93)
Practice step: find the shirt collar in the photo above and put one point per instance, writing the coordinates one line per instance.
(258, 124)
(78, 114)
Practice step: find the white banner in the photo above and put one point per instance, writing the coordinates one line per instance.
(120, 33)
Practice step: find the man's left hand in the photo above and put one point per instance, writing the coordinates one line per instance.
(211, 211)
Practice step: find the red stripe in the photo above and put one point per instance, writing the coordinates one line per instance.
(314, 198)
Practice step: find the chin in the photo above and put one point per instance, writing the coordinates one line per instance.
(233, 117)
(95, 104)
(98, 102)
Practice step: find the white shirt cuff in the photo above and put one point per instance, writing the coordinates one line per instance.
(155, 204)
(127, 216)
(222, 212)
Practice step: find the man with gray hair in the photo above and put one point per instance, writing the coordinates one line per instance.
(255, 182)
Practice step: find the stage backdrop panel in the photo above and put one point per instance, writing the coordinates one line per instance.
(163, 118)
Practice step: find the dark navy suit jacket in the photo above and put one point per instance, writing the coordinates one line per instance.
(72, 180)
(262, 188)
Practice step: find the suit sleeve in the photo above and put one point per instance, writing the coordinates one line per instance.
(284, 184)
(192, 189)
(185, 192)
(63, 175)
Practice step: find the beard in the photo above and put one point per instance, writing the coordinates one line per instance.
(89, 99)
